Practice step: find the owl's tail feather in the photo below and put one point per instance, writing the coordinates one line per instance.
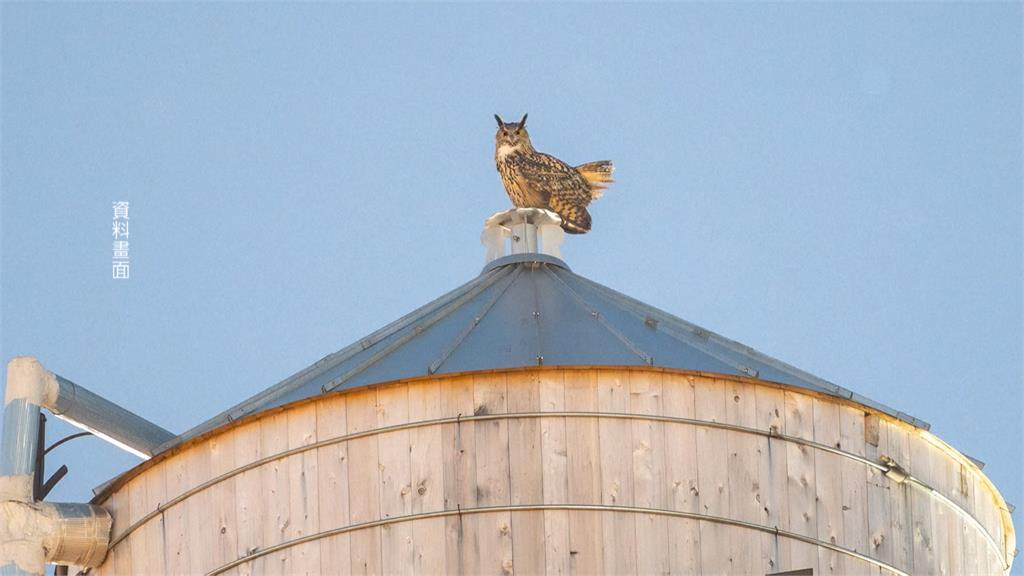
(598, 175)
(576, 221)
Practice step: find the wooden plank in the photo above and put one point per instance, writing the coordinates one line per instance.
(1006, 549)
(276, 482)
(993, 562)
(459, 449)
(650, 484)
(554, 473)
(494, 530)
(492, 469)
(967, 487)
(953, 524)
(681, 473)
(771, 417)
(949, 546)
(880, 538)
(829, 481)
(991, 519)
(899, 503)
(872, 430)
(427, 466)
(177, 552)
(735, 538)
(854, 498)
(364, 482)
(712, 475)
(922, 509)
(202, 534)
(800, 462)
(617, 451)
(222, 460)
(397, 549)
(148, 540)
(156, 494)
(525, 466)
(745, 501)
(584, 471)
(303, 490)
(858, 566)
(250, 513)
(971, 536)
(429, 541)
(332, 481)
(153, 532)
(987, 514)
(970, 540)
(139, 506)
(120, 559)
(427, 475)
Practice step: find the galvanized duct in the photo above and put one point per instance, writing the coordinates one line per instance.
(34, 533)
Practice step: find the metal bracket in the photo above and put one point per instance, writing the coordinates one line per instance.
(40, 488)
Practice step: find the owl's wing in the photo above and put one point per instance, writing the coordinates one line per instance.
(563, 188)
(555, 180)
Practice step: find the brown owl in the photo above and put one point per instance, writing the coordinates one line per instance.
(536, 180)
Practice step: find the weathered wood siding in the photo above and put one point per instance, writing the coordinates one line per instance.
(597, 483)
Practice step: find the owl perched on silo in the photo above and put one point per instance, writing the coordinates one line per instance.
(536, 180)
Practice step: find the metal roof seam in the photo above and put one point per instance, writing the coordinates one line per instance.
(419, 328)
(710, 336)
(436, 364)
(329, 361)
(647, 358)
(537, 319)
(681, 337)
(810, 381)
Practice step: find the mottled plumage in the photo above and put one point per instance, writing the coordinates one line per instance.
(537, 180)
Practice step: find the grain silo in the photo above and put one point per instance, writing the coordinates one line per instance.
(533, 421)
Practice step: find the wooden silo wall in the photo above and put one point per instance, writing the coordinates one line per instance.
(558, 471)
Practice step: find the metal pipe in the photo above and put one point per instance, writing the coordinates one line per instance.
(34, 533)
(93, 413)
(25, 392)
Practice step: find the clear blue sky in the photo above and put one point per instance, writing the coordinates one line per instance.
(837, 185)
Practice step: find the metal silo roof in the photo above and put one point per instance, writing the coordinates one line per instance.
(529, 310)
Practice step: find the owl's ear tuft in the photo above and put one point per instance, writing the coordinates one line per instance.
(522, 123)
(498, 118)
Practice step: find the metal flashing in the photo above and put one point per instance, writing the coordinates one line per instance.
(531, 257)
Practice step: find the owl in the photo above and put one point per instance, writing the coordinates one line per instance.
(536, 180)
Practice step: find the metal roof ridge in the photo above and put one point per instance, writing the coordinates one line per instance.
(820, 383)
(647, 358)
(689, 339)
(429, 320)
(477, 319)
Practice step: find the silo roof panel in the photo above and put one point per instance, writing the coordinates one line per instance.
(525, 311)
